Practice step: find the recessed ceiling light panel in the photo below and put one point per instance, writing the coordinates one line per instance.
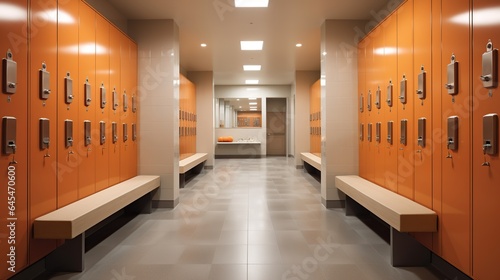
(251, 82)
(251, 45)
(252, 67)
(251, 3)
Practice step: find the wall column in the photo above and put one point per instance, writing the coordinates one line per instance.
(339, 118)
(205, 142)
(158, 82)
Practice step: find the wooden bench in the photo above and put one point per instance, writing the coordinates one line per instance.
(191, 165)
(70, 222)
(400, 213)
(312, 164)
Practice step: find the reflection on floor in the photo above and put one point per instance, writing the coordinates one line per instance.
(255, 219)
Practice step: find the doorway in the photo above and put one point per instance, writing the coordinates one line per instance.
(276, 127)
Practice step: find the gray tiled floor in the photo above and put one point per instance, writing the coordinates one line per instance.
(248, 219)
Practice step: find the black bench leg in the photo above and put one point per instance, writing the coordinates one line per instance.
(353, 208)
(143, 205)
(182, 180)
(68, 257)
(406, 251)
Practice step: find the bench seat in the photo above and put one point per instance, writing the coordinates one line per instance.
(312, 160)
(74, 219)
(191, 161)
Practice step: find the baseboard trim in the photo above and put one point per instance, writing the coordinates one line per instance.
(169, 204)
(333, 203)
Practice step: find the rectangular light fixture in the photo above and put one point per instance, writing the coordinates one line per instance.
(251, 82)
(252, 67)
(252, 98)
(251, 45)
(252, 103)
(253, 109)
(251, 3)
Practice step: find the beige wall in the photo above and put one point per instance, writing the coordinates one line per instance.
(111, 13)
(158, 70)
(301, 89)
(204, 81)
(339, 74)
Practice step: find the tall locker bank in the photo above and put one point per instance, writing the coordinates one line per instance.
(485, 163)
(14, 152)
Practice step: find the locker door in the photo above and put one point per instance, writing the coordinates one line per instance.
(362, 108)
(68, 157)
(134, 143)
(456, 164)
(370, 147)
(114, 111)
(42, 179)
(15, 105)
(378, 107)
(125, 112)
(87, 110)
(103, 92)
(437, 129)
(423, 109)
(390, 77)
(405, 111)
(486, 179)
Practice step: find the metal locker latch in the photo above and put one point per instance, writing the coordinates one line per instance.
(87, 132)
(452, 76)
(489, 74)
(44, 133)
(114, 131)
(404, 129)
(9, 127)
(389, 94)
(88, 92)
(421, 132)
(369, 101)
(102, 91)
(421, 91)
(369, 132)
(68, 89)
(490, 134)
(402, 90)
(377, 97)
(115, 99)
(125, 102)
(102, 130)
(9, 84)
(361, 103)
(134, 132)
(68, 130)
(377, 131)
(452, 140)
(361, 131)
(390, 125)
(44, 82)
(125, 132)
(134, 104)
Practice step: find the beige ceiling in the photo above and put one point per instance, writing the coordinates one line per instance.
(221, 26)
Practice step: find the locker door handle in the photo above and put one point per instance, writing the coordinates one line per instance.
(486, 78)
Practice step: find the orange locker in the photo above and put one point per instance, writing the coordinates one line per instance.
(42, 124)
(405, 80)
(378, 107)
(456, 164)
(370, 111)
(388, 83)
(134, 123)
(422, 69)
(437, 129)
(124, 109)
(68, 158)
(486, 167)
(14, 104)
(361, 109)
(114, 110)
(314, 118)
(87, 145)
(102, 130)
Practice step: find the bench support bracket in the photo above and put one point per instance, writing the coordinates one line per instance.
(69, 256)
(407, 251)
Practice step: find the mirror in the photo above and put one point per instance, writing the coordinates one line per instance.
(239, 112)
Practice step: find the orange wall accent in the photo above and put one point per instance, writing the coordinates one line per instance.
(486, 179)
(187, 118)
(14, 38)
(315, 118)
(114, 114)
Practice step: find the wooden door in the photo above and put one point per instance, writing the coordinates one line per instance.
(276, 127)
